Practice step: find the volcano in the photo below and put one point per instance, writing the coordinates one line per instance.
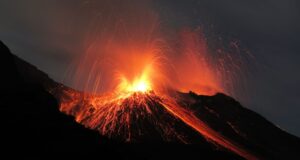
(42, 117)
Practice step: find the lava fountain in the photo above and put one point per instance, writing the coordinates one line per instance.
(135, 102)
(128, 72)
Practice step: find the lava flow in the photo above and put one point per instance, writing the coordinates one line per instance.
(125, 113)
(128, 73)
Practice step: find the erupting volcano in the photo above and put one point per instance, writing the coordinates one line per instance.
(134, 81)
(135, 112)
(146, 102)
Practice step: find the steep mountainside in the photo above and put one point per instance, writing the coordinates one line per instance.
(32, 124)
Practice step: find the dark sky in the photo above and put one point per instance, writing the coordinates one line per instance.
(269, 29)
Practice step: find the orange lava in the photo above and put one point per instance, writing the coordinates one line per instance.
(130, 59)
(117, 114)
(130, 46)
(193, 121)
(134, 76)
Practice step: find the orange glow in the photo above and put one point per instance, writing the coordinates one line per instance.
(112, 115)
(196, 69)
(193, 121)
(139, 84)
(128, 64)
(139, 81)
(130, 52)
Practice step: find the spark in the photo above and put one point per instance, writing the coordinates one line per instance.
(128, 68)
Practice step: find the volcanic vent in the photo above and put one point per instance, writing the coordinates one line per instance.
(136, 113)
(218, 124)
(135, 87)
(134, 90)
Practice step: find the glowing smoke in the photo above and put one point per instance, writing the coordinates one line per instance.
(124, 43)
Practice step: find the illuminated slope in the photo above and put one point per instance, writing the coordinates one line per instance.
(217, 121)
(141, 117)
(221, 113)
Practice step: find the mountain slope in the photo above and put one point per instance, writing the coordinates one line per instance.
(33, 127)
(30, 115)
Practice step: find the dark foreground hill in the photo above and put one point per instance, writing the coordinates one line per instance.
(33, 126)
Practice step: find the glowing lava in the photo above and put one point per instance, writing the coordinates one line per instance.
(139, 103)
(141, 84)
(127, 71)
(134, 114)
(124, 113)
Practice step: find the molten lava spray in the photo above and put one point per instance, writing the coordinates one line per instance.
(129, 68)
(124, 46)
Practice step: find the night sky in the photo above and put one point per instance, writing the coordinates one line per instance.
(47, 33)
